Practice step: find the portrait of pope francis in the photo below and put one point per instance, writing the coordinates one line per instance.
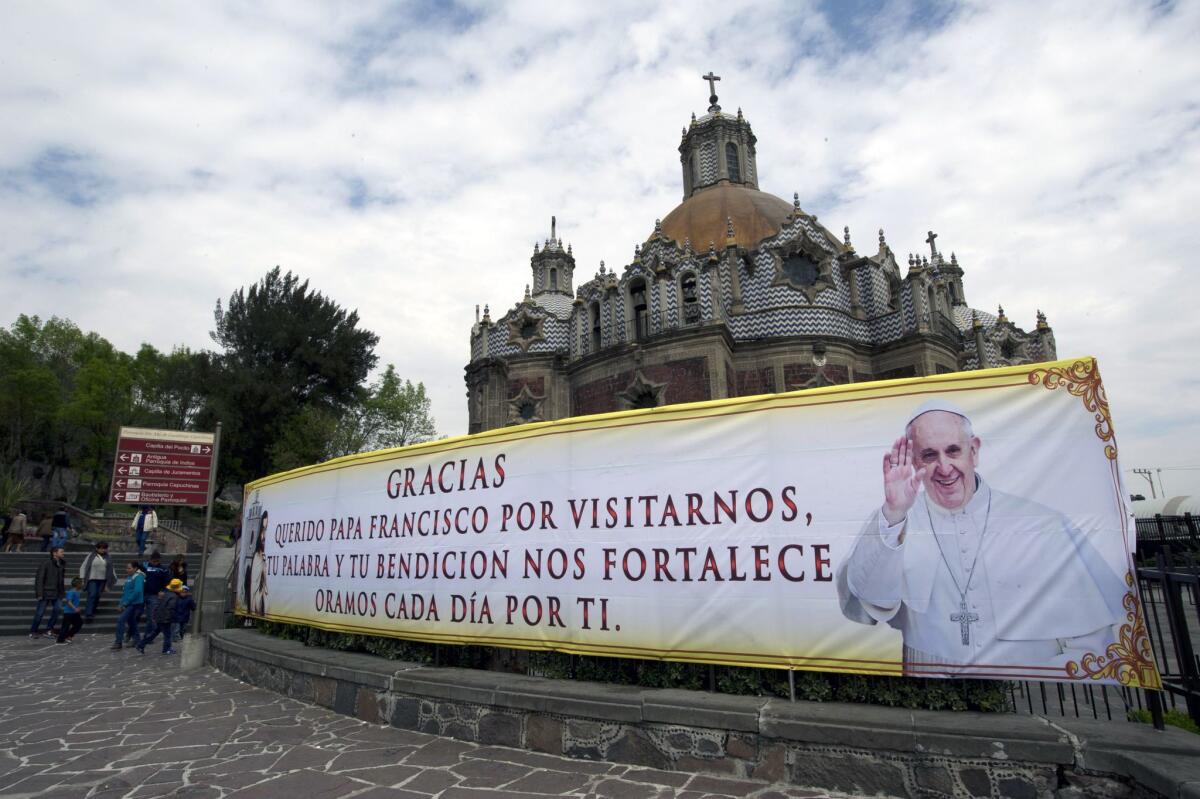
(970, 575)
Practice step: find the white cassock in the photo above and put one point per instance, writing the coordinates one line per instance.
(258, 588)
(1002, 581)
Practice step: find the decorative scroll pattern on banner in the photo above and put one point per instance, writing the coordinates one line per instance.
(1129, 661)
(1082, 379)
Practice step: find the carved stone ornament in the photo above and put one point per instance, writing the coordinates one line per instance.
(526, 407)
(803, 265)
(525, 329)
(641, 393)
(1011, 349)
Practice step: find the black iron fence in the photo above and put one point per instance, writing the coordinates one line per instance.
(1168, 577)
(1170, 590)
(1180, 533)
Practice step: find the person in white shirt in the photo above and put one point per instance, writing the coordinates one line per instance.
(972, 576)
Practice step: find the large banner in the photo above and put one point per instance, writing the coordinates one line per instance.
(964, 525)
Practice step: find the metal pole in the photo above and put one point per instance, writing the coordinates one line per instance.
(212, 487)
(1154, 703)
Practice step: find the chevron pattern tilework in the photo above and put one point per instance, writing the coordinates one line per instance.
(708, 163)
(558, 304)
(873, 288)
(556, 334)
(815, 321)
(906, 305)
(887, 327)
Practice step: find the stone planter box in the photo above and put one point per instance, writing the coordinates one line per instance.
(855, 748)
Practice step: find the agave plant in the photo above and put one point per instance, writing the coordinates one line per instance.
(13, 489)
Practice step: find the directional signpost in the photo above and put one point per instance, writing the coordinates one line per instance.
(163, 467)
(169, 467)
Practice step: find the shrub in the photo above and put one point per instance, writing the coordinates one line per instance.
(988, 696)
(1176, 718)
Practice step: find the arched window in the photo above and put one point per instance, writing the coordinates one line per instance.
(692, 169)
(1008, 350)
(691, 300)
(554, 280)
(932, 302)
(640, 308)
(595, 327)
(731, 163)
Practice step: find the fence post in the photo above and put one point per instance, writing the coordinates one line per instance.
(1154, 703)
(1162, 534)
(1182, 639)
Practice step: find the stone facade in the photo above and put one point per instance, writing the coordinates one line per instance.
(735, 292)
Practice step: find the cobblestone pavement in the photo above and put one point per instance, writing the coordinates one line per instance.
(79, 721)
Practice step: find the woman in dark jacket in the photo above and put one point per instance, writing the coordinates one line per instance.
(179, 569)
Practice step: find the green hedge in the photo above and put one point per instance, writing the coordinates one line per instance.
(982, 695)
(1174, 718)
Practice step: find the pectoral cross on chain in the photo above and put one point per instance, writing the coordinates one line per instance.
(965, 619)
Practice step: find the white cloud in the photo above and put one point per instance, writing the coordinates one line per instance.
(1052, 145)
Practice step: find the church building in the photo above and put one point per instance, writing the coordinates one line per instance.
(734, 292)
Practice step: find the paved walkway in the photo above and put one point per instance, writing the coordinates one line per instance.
(79, 721)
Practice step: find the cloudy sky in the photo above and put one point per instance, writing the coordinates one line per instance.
(405, 156)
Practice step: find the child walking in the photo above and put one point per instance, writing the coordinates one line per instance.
(164, 617)
(72, 617)
(183, 612)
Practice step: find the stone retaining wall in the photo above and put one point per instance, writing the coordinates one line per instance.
(855, 748)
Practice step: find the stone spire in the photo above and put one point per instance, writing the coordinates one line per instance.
(553, 267)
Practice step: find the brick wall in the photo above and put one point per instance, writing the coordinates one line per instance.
(537, 386)
(796, 375)
(686, 381)
(755, 381)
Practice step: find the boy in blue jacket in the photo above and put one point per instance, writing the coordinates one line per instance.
(72, 616)
(132, 600)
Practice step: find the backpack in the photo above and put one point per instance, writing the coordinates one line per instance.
(164, 611)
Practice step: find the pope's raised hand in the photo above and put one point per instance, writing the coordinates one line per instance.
(901, 480)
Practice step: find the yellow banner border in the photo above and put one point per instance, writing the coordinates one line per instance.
(1129, 662)
(853, 392)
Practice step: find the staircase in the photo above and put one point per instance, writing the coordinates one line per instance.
(17, 602)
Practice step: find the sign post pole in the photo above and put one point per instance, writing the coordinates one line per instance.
(212, 487)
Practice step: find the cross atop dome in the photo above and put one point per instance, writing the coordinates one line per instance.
(712, 91)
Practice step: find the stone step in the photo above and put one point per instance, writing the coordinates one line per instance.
(25, 564)
(17, 603)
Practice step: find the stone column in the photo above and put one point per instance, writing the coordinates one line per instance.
(735, 282)
(981, 358)
(856, 309)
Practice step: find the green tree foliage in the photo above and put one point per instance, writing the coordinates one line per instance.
(286, 350)
(170, 387)
(393, 413)
(101, 402)
(397, 413)
(289, 385)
